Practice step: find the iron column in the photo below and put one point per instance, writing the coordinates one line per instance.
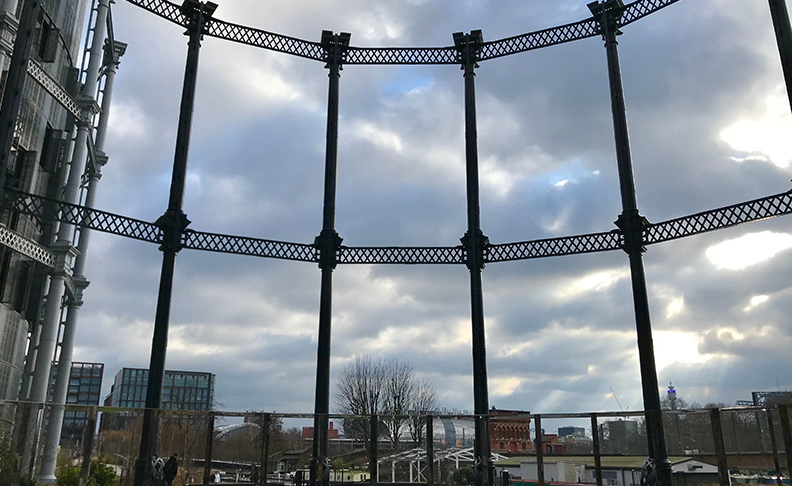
(475, 243)
(328, 242)
(173, 224)
(783, 31)
(632, 224)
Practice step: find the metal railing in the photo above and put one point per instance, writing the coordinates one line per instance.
(705, 446)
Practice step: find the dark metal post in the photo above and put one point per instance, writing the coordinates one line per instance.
(88, 436)
(210, 423)
(173, 224)
(720, 447)
(373, 454)
(632, 224)
(430, 477)
(475, 244)
(783, 31)
(265, 444)
(539, 451)
(15, 84)
(596, 445)
(328, 242)
(786, 432)
(773, 445)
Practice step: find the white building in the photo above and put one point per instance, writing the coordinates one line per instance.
(616, 470)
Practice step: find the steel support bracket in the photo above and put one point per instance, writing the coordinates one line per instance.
(632, 226)
(173, 225)
(329, 245)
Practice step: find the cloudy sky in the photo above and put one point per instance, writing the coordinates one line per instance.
(709, 126)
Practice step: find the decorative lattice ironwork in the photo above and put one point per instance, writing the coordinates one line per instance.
(401, 55)
(539, 39)
(26, 247)
(402, 255)
(642, 8)
(163, 8)
(567, 245)
(45, 209)
(242, 245)
(266, 40)
(766, 207)
(53, 88)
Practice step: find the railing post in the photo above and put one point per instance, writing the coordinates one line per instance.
(210, 423)
(373, 454)
(88, 436)
(540, 478)
(632, 224)
(773, 444)
(430, 478)
(328, 242)
(596, 446)
(720, 447)
(783, 415)
(265, 444)
(173, 224)
(475, 243)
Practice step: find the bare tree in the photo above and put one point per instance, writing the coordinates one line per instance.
(386, 388)
(424, 403)
(400, 388)
(359, 393)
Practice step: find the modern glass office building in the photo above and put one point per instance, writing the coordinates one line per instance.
(181, 390)
(85, 384)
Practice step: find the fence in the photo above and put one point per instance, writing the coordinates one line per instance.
(709, 446)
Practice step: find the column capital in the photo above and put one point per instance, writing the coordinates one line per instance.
(468, 46)
(88, 108)
(607, 13)
(335, 46)
(113, 52)
(64, 253)
(96, 161)
(198, 14)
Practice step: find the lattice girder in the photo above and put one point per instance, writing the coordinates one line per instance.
(46, 209)
(758, 209)
(53, 88)
(401, 55)
(26, 247)
(243, 245)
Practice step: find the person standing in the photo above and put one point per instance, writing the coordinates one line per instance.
(171, 469)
